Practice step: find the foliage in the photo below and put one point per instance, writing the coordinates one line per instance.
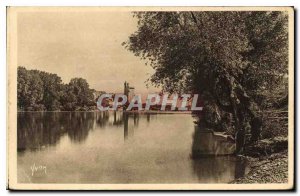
(30, 90)
(233, 59)
(39, 91)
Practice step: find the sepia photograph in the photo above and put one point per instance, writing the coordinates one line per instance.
(150, 98)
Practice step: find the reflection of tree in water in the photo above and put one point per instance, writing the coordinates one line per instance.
(118, 118)
(41, 129)
(79, 124)
(216, 169)
(210, 167)
(102, 118)
(125, 119)
(129, 128)
(34, 133)
(136, 119)
(219, 169)
(240, 167)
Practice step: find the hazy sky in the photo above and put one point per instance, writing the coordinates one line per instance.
(82, 44)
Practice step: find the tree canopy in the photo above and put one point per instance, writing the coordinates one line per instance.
(42, 91)
(232, 59)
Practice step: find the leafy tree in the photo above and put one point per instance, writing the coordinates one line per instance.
(29, 90)
(232, 59)
(79, 88)
(38, 91)
(68, 99)
(52, 89)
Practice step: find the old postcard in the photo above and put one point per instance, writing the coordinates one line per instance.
(150, 98)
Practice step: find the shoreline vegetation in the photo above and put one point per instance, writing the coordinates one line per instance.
(267, 158)
(40, 91)
(269, 167)
(236, 61)
(43, 91)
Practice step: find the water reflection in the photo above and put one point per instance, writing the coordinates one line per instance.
(42, 129)
(39, 130)
(207, 145)
(153, 148)
(240, 167)
(34, 133)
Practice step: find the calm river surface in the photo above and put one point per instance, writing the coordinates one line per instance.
(97, 147)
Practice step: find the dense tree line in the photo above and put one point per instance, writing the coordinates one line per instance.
(236, 61)
(42, 91)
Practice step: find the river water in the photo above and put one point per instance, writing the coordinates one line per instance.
(113, 147)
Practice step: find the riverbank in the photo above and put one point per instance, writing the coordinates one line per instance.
(268, 163)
